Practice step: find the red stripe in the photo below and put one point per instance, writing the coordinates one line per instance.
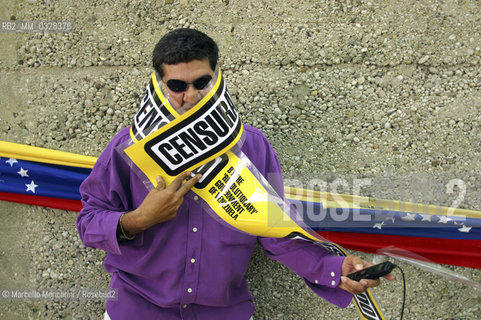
(466, 253)
(57, 203)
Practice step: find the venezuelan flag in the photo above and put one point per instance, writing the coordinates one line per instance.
(51, 178)
(42, 177)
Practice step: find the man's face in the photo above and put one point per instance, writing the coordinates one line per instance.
(187, 72)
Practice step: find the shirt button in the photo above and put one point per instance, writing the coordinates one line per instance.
(333, 283)
(194, 229)
(333, 274)
(192, 260)
(184, 306)
(316, 282)
(196, 198)
(189, 290)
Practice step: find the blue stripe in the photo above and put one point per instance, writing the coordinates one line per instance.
(52, 180)
(387, 222)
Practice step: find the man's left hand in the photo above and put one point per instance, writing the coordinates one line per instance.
(352, 264)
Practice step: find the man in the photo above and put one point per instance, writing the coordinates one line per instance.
(168, 257)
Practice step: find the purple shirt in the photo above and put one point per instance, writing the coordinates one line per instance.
(191, 267)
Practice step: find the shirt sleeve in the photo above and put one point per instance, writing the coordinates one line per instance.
(320, 270)
(105, 197)
(318, 267)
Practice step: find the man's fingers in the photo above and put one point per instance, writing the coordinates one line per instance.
(370, 283)
(389, 277)
(352, 286)
(189, 184)
(160, 183)
(182, 188)
(178, 181)
(358, 263)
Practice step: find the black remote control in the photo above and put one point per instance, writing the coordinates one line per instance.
(373, 272)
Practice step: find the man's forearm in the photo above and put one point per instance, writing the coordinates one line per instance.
(131, 223)
(160, 205)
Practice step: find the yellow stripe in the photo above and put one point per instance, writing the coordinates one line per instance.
(334, 200)
(374, 303)
(25, 152)
(371, 298)
(132, 135)
(165, 102)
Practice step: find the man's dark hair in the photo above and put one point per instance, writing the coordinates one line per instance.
(184, 45)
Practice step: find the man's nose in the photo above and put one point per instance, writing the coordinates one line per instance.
(191, 95)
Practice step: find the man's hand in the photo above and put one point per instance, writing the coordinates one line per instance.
(160, 205)
(352, 264)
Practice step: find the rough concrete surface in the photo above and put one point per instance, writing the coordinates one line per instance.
(384, 90)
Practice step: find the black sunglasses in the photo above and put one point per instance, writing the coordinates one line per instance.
(180, 85)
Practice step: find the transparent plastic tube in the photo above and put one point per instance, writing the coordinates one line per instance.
(423, 263)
